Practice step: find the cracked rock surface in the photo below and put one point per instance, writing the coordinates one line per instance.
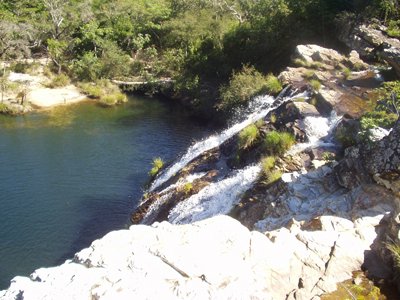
(213, 259)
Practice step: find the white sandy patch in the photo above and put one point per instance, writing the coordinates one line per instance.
(45, 97)
(41, 96)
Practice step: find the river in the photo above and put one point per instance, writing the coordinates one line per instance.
(71, 174)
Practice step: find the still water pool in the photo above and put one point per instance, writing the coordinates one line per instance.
(74, 173)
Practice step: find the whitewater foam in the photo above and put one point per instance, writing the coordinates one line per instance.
(215, 199)
(259, 108)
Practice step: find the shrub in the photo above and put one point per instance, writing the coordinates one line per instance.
(272, 177)
(394, 29)
(346, 72)
(4, 108)
(315, 84)
(241, 88)
(157, 164)
(24, 67)
(248, 136)
(278, 142)
(91, 90)
(267, 163)
(309, 74)
(187, 188)
(272, 84)
(112, 99)
(378, 119)
(58, 81)
(108, 93)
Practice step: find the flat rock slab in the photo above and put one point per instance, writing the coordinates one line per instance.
(213, 259)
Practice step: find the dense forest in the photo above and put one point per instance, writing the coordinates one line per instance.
(200, 44)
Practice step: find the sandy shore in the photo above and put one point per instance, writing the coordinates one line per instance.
(45, 97)
(38, 95)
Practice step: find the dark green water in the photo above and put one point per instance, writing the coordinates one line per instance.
(72, 174)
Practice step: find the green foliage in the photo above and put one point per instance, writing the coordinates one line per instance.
(104, 90)
(395, 252)
(113, 99)
(278, 143)
(157, 164)
(346, 72)
(378, 119)
(4, 109)
(394, 29)
(328, 156)
(315, 84)
(248, 136)
(24, 67)
(267, 164)
(243, 86)
(58, 81)
(390, 93)
(345, 136)
(269, 174)
(187, 188)
(272, 84)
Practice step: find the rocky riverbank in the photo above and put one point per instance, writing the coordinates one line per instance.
(331, 211)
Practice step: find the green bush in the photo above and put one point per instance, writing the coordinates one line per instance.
(315, 84)
(58, 81)
(267, 163)
(157, 164)
(278, 142)
(24, 67)
(346, 72)
(272, 177)
(4, 108)
(113, 99)
(104, 90)
(378, 119)
(394, 29)
(242, 86)
(272, 84)
(248, 136)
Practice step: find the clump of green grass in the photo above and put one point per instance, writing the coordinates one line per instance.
(315, 84)
(267, 164)
(113, 99)
(3, 108)
(104, 90)
(394, 29)
(157, 164)
(346, 72)
(309, 74)
(57, 81)
(248, 136)
(187, 188)
(278, 143)
(269, 175)
(272, 84)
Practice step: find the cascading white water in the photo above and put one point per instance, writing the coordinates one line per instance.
(259, 108)
(215, 199)
(317, 130)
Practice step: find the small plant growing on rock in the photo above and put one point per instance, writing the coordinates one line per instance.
(187, 188)
(315, 84)
(248, 136)
(273, 85)
(269, 175)
(157, 164)
(346, 72)
(328, 156)
(278, 142)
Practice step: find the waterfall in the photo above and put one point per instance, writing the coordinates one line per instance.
(258, 108)
(215, 199)
(318, 131)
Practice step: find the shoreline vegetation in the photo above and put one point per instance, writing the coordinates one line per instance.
(206, 48)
